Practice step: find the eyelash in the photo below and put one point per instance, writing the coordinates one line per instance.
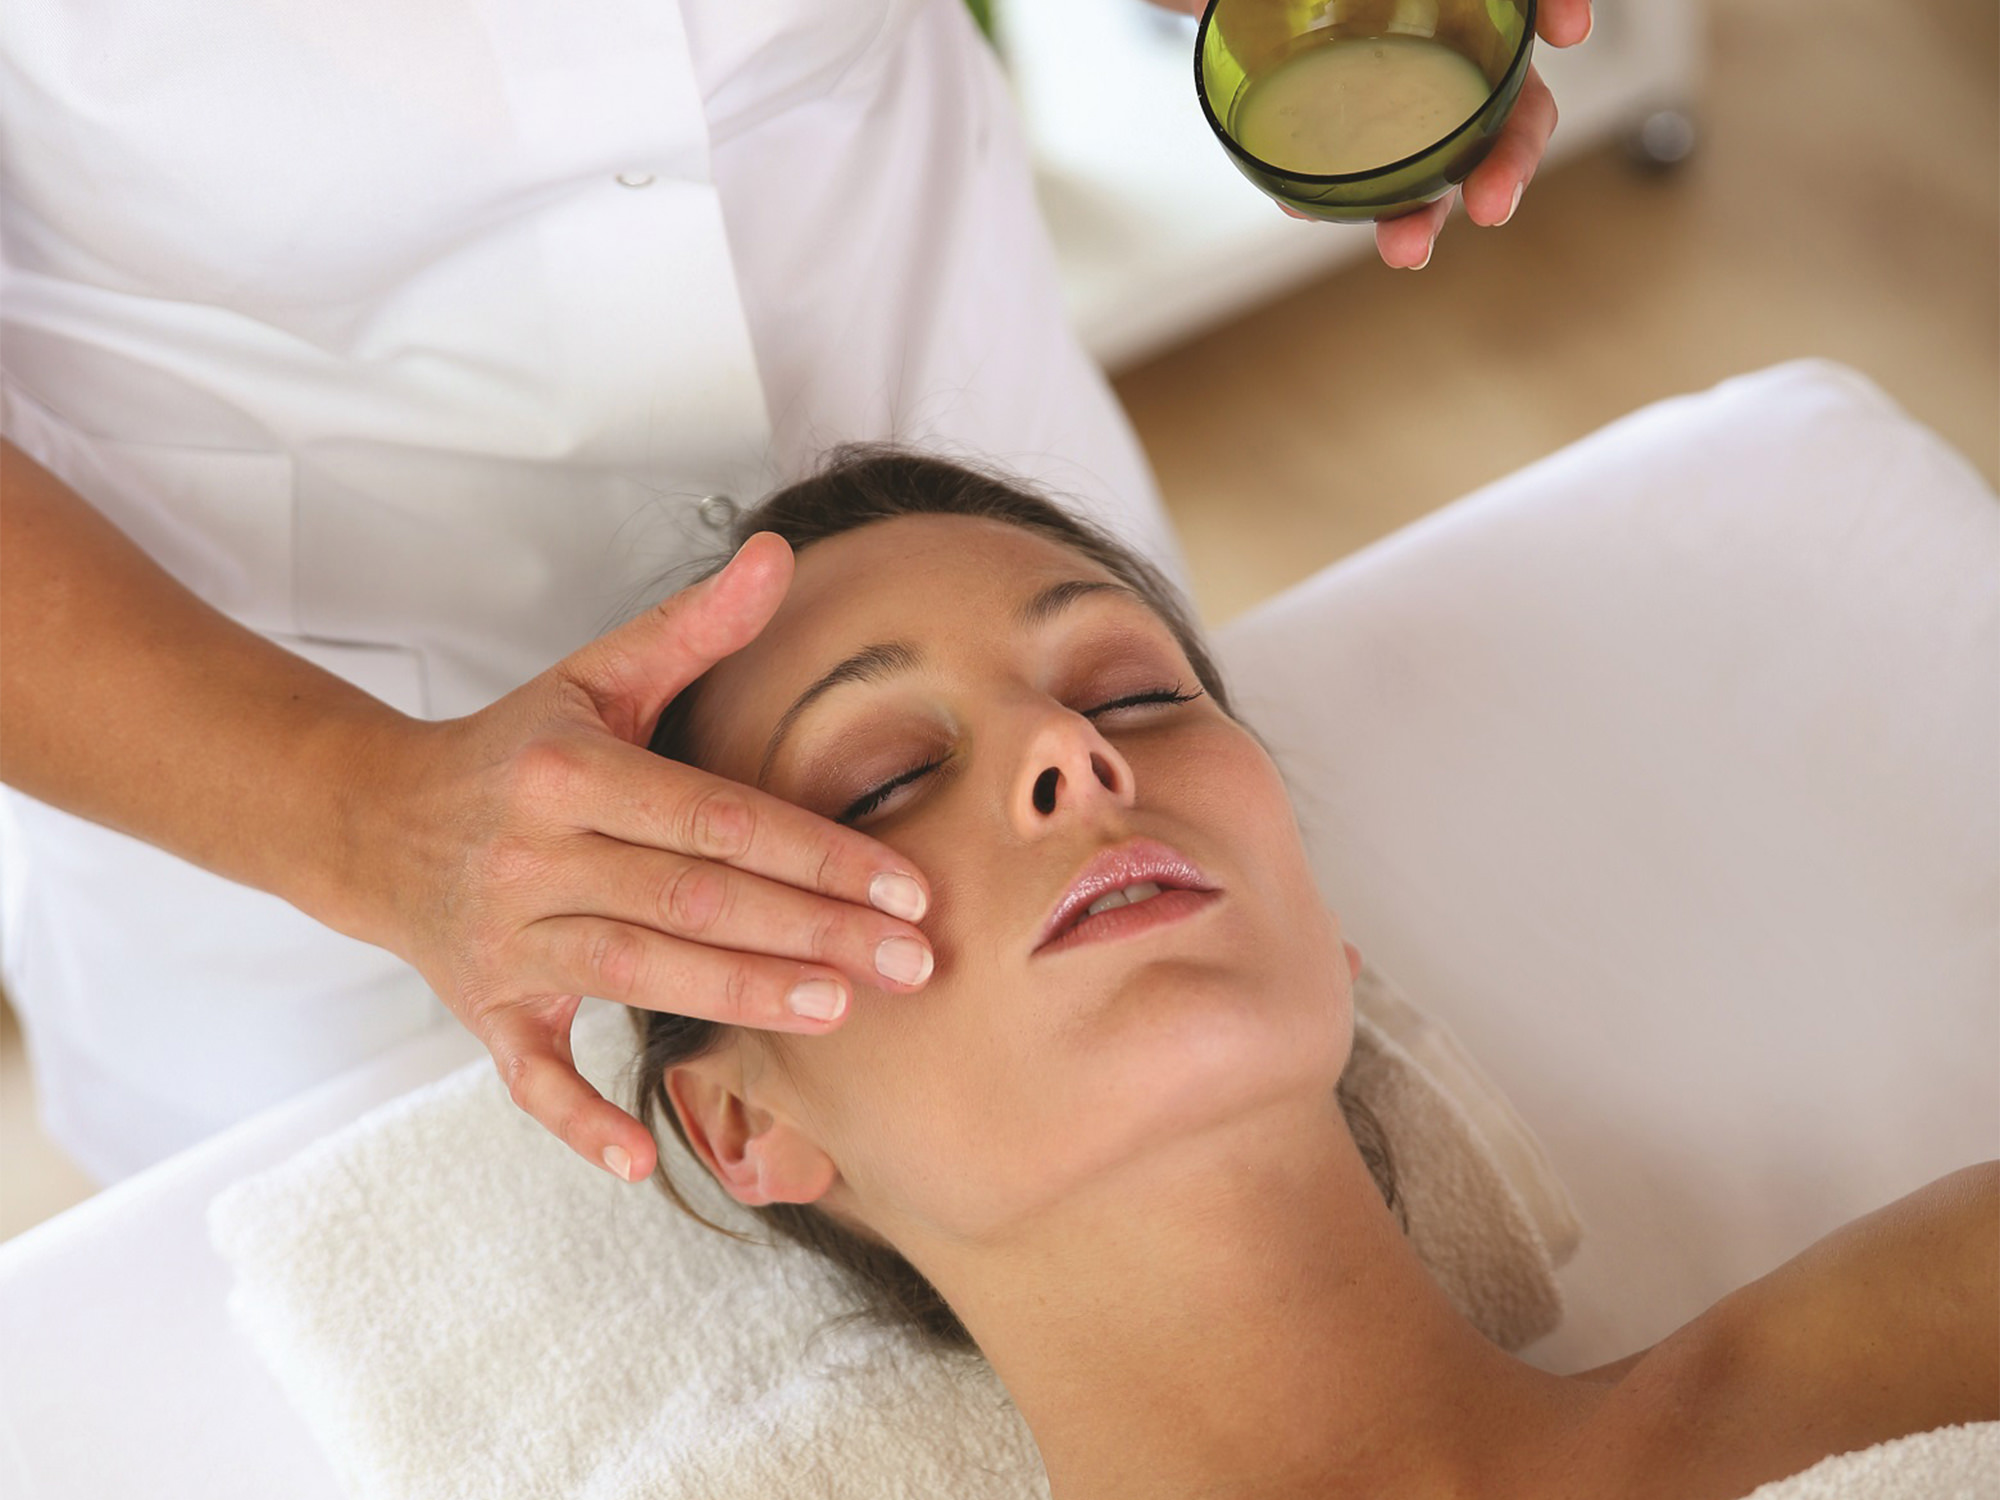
(868, 801)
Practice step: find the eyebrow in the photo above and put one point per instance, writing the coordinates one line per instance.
(891, 658)
(869, 664)
(1058, 597)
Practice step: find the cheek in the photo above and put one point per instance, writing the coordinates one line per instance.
(1284, 942)
(919, 1098)
(1230, 790)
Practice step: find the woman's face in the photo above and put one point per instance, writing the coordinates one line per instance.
(1016, 716)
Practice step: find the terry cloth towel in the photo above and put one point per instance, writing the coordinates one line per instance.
(1947, 1463)
(459, 1308)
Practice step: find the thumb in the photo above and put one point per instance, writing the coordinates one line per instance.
(632, 672)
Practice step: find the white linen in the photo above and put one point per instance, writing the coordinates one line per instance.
(1835, 565)
(122, 1375)
(1663, 770)
(414, 337)
(1947, 1463)
(687, 1363)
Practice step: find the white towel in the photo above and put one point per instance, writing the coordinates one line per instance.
(458, 1307)
(1947, 1463)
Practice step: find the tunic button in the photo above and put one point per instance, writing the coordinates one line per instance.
(719, 511)
(635, 179)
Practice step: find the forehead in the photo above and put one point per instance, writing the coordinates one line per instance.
(863, 578)
(940, 582)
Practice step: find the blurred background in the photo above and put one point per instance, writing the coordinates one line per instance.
(1734, 183)
(1841, 199)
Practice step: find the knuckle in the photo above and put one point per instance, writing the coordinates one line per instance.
(695, 898)
(739, 991)
(517, 1071)
(542, 771)
(718, 823)
(565, 1123)
(829, 933)
(613, 962)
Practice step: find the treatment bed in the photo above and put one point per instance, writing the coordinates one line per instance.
(1665, 772)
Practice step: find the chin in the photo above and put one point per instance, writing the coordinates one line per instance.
(1186, 1049)
(1190, 1044)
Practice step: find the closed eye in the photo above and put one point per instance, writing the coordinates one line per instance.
(868, 801)
(1134, 700)
(872, 800)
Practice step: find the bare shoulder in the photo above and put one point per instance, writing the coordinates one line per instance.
(1900, 1309)
(1889, 1325)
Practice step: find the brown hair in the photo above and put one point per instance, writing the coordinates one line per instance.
(857, 485)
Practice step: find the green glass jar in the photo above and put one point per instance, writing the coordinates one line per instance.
(1243, 44)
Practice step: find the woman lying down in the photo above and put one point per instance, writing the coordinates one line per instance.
(1107, 1146)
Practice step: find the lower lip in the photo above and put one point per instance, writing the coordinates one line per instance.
(1133, 918)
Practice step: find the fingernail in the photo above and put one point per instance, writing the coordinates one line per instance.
(898, 895)
(904, 960)
(1589, 25)
(816, 999)
(1519, 188)
(617, 1162)
(1427, 255)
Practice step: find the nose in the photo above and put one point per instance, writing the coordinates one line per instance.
(1068, 769)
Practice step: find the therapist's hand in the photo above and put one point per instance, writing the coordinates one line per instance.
(1493, 190)
(538, 852)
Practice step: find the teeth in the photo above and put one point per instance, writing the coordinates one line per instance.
(1145, 890)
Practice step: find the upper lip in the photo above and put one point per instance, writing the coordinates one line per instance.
(1130, 863)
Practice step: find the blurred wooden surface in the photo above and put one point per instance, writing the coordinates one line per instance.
(1844, 201)
(36, 1179)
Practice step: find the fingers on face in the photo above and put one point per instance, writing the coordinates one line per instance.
(641, 967)
(531, 1053)
(689, 812)
(725, 612)
(1494, 189)
(724, 908)
(634, 670)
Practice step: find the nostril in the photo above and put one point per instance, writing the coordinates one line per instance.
(1045, 791)
(1106, 777)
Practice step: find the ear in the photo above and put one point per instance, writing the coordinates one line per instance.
(759, 1157)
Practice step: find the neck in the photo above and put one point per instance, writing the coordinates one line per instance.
(1236, 1328)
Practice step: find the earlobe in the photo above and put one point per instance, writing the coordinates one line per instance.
(757, 1156)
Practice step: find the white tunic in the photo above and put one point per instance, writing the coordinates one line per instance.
(414, 334)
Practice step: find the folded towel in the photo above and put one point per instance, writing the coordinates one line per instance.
(458, 1308)
(1947, 1463)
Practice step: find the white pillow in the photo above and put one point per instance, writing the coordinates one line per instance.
(1664, 771)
